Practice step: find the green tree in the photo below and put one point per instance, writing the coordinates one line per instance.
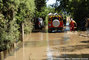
(78, 9)
(40, 4)
(8, 28)
(12, 14)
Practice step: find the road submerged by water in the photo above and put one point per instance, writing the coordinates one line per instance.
(53, 46)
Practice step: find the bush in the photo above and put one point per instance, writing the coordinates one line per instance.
(12, 14)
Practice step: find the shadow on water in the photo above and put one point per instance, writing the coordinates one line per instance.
(35, 43)
(85, 41)
(37, 31)
(71, 57)
(73, 48)
(59, 31)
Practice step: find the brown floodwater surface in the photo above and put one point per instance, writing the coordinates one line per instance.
(52, 46)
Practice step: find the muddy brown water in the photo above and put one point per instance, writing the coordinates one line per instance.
(53, 46)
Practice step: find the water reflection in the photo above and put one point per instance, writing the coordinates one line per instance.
(51, 46)
(49, 53)
(35, 43)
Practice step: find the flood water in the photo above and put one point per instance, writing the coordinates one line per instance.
(53, 46)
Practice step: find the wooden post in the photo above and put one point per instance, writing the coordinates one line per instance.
(1, 56)
(5, 53)
(22, 32)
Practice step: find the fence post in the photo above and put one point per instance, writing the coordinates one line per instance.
(1, 56)
(22, 39)
(5, 53)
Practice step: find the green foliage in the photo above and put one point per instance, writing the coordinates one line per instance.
(28, 26)
(78, 9)
(8, 33)
(40, 4)
(12, 14)
(40, 8)
(25, 10)
(44, 12)
(25, 13)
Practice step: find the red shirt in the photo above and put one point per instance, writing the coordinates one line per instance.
(71, 24)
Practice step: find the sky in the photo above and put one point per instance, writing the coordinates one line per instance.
(51, 2)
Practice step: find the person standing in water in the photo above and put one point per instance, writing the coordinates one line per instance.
(72, 25)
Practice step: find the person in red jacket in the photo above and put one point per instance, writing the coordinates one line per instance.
(72, 25)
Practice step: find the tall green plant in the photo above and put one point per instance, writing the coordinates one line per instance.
(13, 13)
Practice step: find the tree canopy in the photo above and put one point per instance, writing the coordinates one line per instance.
(78, 9)
(40, 4)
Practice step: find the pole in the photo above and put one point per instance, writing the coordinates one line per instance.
(22, 32)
